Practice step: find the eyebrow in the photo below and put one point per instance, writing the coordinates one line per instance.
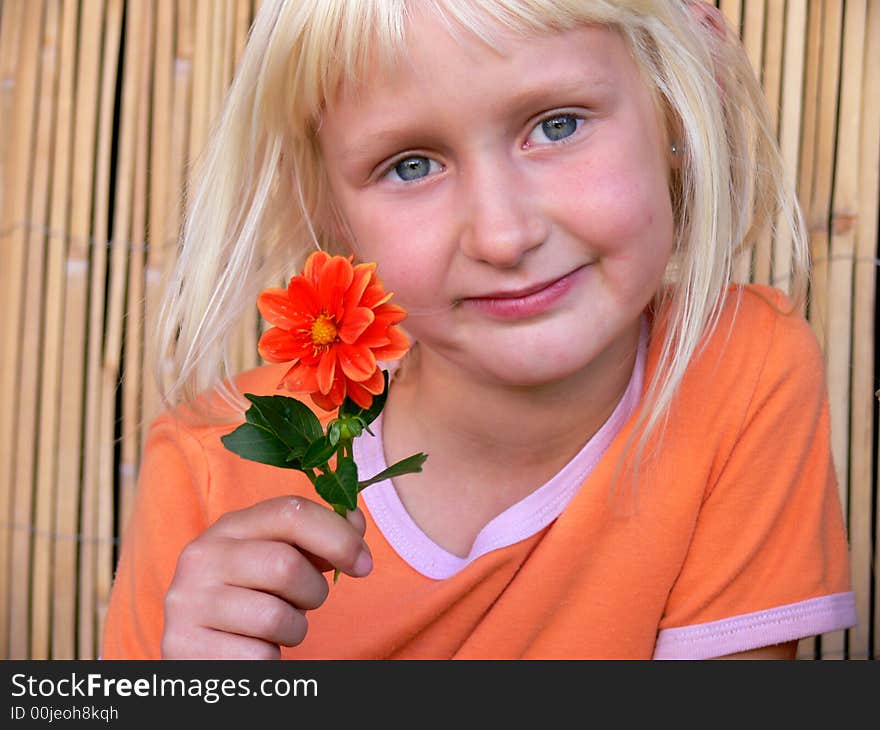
(524, 100)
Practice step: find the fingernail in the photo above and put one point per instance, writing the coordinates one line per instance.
(364, 563)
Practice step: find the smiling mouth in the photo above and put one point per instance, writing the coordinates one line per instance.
(528, 301)
(525, 292)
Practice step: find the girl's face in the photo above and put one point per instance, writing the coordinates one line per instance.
(516, 204)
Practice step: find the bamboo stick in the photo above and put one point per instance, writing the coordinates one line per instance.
(753, 32)
(55, 601)
(34, 293)
(15, 220)
(138, 46)
(40, 510)
(137, 382)
(774, 30)
(250, 326)
(243, 20)
(10, 26)
(810, 113)
(808, 648)
(875, 550)
(201, 94)
(224, 61)
(10, 35)
(789, 127)
(229, 28)
(216, 60)
(123, 204)
(842, 252)
(820, 201)
(25, 429)
(732, 10)
(864, 351)
(162, 251)
(94, 544)
(753, 42)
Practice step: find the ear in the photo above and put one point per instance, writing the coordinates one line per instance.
(709, 17)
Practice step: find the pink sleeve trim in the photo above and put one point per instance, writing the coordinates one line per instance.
(761, 628)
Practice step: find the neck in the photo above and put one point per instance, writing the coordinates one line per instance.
(463, 420)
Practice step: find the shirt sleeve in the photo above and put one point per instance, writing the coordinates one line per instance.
(768, 560)
(169, 512)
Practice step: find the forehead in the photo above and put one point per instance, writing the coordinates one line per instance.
(438, 58)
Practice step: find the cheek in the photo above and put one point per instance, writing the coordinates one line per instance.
(406, 251)
(618, 208)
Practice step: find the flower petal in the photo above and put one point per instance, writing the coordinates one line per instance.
(326, 370)
(375, 384)
(336, 277)
(300, 379)
(357, 362)
(277, 309)
(376, 335)
(314, 265)
(303, 297)
(278, 345)
(363, 275)
(396, 349)
(356, 321)
(390, 313)
(334, 398)
(375, 294)
(360, 395)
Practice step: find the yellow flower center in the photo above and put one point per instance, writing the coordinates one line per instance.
(323, 330)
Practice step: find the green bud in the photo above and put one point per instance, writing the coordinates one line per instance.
(333, 432)
(350, 428)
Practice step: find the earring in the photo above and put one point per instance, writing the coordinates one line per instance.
(676, 149)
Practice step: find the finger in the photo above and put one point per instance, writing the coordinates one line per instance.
(303, 523)
(356, 518)
(252, 613)
(203, 643)
(274, 567)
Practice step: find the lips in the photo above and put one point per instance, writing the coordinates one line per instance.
(528, 301)
(519, 294)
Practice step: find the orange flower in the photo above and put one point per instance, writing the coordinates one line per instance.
(333, 322)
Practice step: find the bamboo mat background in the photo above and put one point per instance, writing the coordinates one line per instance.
(104, 103)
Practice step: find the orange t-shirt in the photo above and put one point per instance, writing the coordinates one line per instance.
(737, 539)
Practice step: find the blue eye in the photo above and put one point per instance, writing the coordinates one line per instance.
(556, 128)
(412, 168)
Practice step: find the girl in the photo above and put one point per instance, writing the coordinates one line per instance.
(629, 455)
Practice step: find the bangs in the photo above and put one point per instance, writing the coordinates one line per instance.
(317, 47)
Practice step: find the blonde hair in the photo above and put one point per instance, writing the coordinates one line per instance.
(262, 201)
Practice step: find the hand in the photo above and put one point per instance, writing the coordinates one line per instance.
(241, 589)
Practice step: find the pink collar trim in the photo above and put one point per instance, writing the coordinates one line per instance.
(519, 521)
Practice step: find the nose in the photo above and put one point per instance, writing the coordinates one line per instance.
(503, 219)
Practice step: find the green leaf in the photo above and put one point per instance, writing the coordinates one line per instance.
(340, 487)
(333, 432)
(409, 465)
(287, 419)
(318, 453)
(259, 444)
(350, 409)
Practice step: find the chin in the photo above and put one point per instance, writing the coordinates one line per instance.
(537, 374)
